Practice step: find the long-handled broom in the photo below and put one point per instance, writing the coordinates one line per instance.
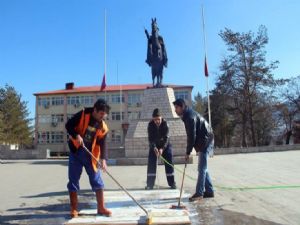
(157, 172)
(179, 206)
(149, 217)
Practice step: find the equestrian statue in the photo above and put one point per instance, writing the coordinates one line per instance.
(156, 54)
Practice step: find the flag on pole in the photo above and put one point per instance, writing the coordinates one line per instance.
(103, 85)
(205, 67)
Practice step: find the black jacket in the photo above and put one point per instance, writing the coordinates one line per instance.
(199, 133)
(158, 136)
(70, 127)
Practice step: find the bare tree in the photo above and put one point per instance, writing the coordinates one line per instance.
(288, 104)
(1, 127)
(223, 120)
(245, 75)
(291, 92)
(200, 104)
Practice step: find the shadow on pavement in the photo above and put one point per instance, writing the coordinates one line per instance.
(9, 162)
(47, 214)
(85, 193)
(51, 162)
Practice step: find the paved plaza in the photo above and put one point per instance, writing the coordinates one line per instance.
(257, 188)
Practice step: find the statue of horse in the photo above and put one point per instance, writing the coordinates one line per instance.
(156, 54)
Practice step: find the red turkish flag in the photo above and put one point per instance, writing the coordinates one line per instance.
(103, 85)
(205, 68)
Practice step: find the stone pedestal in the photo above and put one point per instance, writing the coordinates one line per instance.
(136, 141)
(161, 98)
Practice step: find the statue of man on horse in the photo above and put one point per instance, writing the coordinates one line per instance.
(156, 54)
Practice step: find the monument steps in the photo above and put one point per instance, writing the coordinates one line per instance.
(114, 153)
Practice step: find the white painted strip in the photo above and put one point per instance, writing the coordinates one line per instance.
(151, 174)
(125, 212)
(170, 174)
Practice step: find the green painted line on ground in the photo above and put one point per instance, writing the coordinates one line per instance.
(258, 187)
(237, 188)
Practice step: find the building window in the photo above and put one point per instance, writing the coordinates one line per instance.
(73, 100)
(134, 115)
(104, 97)
(87, 100)
(58, 100)
(117, 116)
(115, 136)
(54, 118)
(57, 118)
(44, 119)
(44, 137)
(134, 100)
(182, 94)
(57, 137)
(44, 102)
(69, 116)
(116, 98)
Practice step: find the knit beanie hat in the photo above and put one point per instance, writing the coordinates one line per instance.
(156, 113)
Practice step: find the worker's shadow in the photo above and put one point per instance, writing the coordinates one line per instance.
(85, 193)
(51, 162)
(46, 214)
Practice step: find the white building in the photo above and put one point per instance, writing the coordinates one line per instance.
(54, 108)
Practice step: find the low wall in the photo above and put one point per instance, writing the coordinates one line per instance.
(44, 154)
(23, 154)
(271, 148)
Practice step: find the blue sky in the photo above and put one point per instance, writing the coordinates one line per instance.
(46, 43)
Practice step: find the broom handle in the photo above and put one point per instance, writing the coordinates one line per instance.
(182, 183)
(91, 154)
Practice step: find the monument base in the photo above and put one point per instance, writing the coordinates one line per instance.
(136, 141)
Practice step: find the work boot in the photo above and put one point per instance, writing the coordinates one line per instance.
(73, 204)
(101, 210)
(196, 197)
(149, 188)
(173, 186)
(208, 195)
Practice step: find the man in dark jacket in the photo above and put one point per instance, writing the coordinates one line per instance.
(158, 136)
(87, 128)
(199, 136)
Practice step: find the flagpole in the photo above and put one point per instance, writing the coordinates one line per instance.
(121, 102)
(120, 87)
(121, 97)
(205, 54)
(105, 48)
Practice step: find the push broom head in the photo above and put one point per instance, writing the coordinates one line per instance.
(149, 219)
(178, 207)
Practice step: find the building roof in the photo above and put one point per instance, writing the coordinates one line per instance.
(109, 88)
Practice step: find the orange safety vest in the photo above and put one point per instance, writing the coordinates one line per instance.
(100, 133)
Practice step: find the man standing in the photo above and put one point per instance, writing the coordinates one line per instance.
(199, 136)
(158, 136)
(87, 128)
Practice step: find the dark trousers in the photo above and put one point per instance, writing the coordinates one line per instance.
(151, 170)
(77, 161)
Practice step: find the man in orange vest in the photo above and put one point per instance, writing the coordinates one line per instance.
(87, 128)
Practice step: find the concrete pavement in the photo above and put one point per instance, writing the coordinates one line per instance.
(34, 191)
